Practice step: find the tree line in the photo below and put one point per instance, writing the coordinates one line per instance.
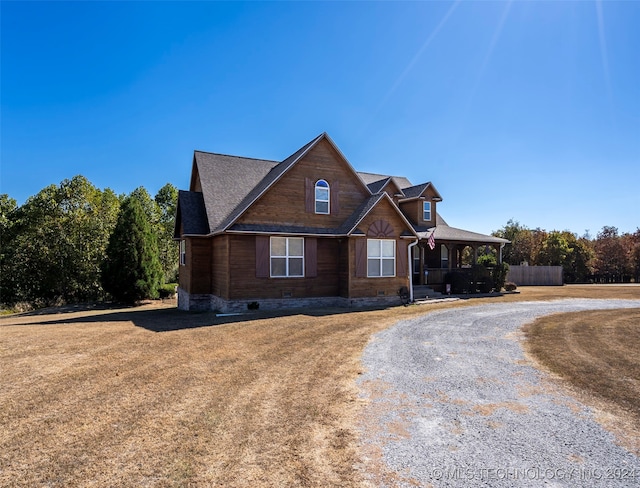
(610, 257)
(74, 242)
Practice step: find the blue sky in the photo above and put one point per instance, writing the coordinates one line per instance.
(514, 110)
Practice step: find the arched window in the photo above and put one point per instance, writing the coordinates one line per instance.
(322, 197)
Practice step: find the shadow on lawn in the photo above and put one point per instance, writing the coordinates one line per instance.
(165, 319)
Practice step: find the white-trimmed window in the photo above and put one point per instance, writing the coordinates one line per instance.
(322, 197)
(183, 252)
(287, 257)
(426, 211)
(381, 257)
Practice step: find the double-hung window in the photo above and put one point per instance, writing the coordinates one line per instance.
(322, 197)
(426, 211)
(287, 257)
(381, 257)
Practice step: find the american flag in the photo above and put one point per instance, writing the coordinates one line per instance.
(432, 241)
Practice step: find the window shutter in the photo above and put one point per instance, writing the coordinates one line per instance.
(311, 257)
(335, 197)
(262, 257)
(361, 258)
(309, 195)
(401, 258)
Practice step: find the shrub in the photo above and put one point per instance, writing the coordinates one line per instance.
(486, 285)
(487, 260)
(499, 275)
(167, 290)
(459, 282)
(510, 286)
(480, 278)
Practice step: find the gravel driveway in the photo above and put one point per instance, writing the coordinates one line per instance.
(452, 401)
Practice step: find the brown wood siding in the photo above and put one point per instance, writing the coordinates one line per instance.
(434, 209)
(392, 190)
(199, 261)
(184, 271)
(429, 194)
(344, 266)
(371, 287)
(414, 213)
(220, 266)
(361, 257)
(311, 257)
(262, 256)
(401, 257)
(245, 285)
(286, 201)
(360, 287)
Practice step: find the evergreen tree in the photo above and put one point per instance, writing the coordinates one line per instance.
(132, 270)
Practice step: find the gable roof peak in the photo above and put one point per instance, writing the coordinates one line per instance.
(417, 191)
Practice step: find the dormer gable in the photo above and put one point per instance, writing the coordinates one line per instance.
(419, 204)
(420, 191)
(318, 188)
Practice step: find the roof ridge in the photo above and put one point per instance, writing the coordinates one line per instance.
(416, 186)
(234, 156)
(381, 174)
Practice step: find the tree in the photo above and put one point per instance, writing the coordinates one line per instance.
(167, 202)
(53, 245)
(631, 246)
(131, 270)
(635, 256)
(160, 213)
(579, 266)
(555, 250)
(515, 252)
(611, 260)
(526, 244)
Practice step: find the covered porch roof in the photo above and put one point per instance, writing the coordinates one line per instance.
(442, 232)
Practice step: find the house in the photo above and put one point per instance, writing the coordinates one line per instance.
(308, 231)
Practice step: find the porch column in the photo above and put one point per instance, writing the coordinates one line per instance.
(500, 253)
(475, 254)
(449, 261)
(421, 255)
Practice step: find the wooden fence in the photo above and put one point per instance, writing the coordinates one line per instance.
(536, 275)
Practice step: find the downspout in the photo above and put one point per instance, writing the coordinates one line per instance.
(501, 246)
(410, 269)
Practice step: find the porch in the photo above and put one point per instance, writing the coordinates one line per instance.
(431, 266)
(434, 279)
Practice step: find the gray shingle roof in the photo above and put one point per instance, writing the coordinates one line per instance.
(376, 186)
(226, 181)
(415, 191)
(230, 184)
(360, 213)
(443, 232)
(369, 178)
(446, 233)
(418, 190)
(191, 214)
(269, 179)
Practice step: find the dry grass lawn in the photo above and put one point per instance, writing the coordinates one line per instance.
(598, 353)
(151, 396)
